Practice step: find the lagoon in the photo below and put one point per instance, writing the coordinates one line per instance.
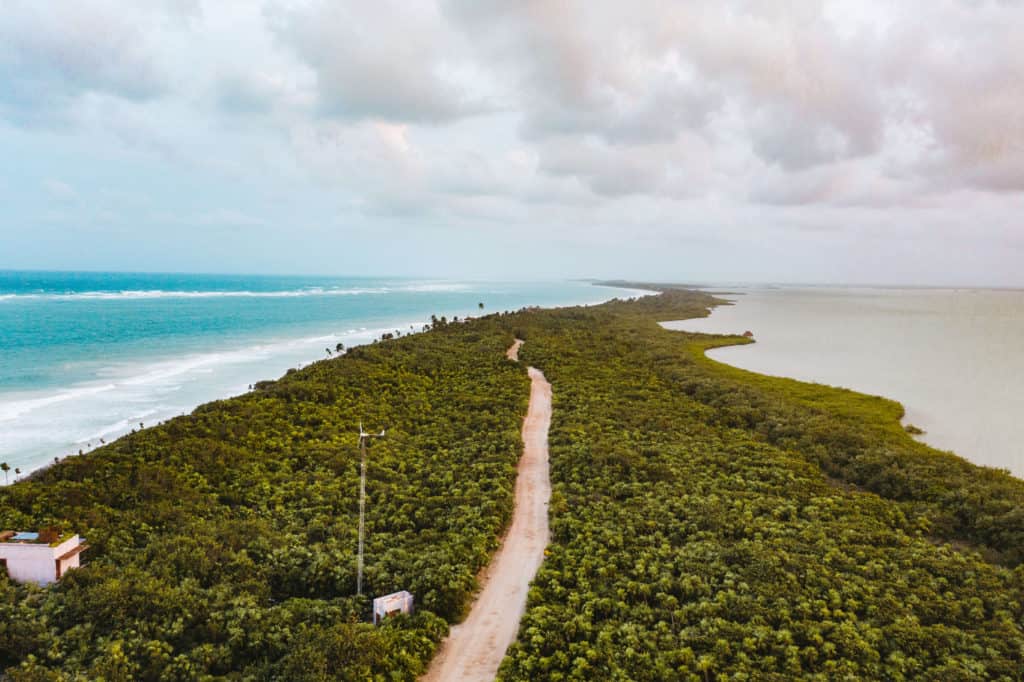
(952, 357)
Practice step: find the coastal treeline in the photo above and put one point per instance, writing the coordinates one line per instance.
(223, 543)
(707, 523)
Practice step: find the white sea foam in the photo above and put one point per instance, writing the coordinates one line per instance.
(162, 293)
(143, 294)
(435, 287)
(37, 425)
(140, 382)
(120, 426)
(12, 409)
(161, 372)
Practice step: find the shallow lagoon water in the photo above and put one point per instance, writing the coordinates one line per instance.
(953, 358)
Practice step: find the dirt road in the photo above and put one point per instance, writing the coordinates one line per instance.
(513, 351)
(474, 649)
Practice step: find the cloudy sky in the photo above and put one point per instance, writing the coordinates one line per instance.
(773, 140)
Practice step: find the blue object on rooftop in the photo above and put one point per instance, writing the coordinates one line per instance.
(25, 536)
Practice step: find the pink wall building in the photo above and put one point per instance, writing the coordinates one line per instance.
(29, 557)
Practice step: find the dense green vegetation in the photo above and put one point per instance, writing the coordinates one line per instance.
(706, 522)
(223, 543)
(709, 523)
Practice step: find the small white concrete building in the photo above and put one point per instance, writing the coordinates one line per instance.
(390, 604)
(28, 558)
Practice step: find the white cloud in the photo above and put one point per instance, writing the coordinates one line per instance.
(701, 122)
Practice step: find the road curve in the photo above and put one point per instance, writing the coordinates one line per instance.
(513, 351)
(474, 648)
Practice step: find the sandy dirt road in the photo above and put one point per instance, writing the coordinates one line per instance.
(513, 351)
(474, 648)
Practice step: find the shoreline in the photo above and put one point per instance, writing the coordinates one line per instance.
(933, 424)
(659, 455)
(280, 354)
(189, 362)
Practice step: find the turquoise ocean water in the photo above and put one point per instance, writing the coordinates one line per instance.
(88, 356)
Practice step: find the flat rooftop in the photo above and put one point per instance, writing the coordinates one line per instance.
(29, 538)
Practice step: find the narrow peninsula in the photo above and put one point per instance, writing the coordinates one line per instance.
(705, 522)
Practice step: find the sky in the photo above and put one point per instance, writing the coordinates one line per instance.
(844, 141)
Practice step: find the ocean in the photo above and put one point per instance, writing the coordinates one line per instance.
(88, 356)
(952, 357)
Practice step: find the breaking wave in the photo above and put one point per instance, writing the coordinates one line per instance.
(143, 294)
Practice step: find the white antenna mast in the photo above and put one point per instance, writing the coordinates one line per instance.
(363, 435)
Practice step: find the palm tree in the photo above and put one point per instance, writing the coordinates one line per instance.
(5, 467)
(340, 347)
(480, 305)
(17, 472)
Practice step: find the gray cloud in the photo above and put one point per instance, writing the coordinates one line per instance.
(783, 85)
(392, 61)
(969, 81)
(584, 70)
(794, 85)
(50, 56)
